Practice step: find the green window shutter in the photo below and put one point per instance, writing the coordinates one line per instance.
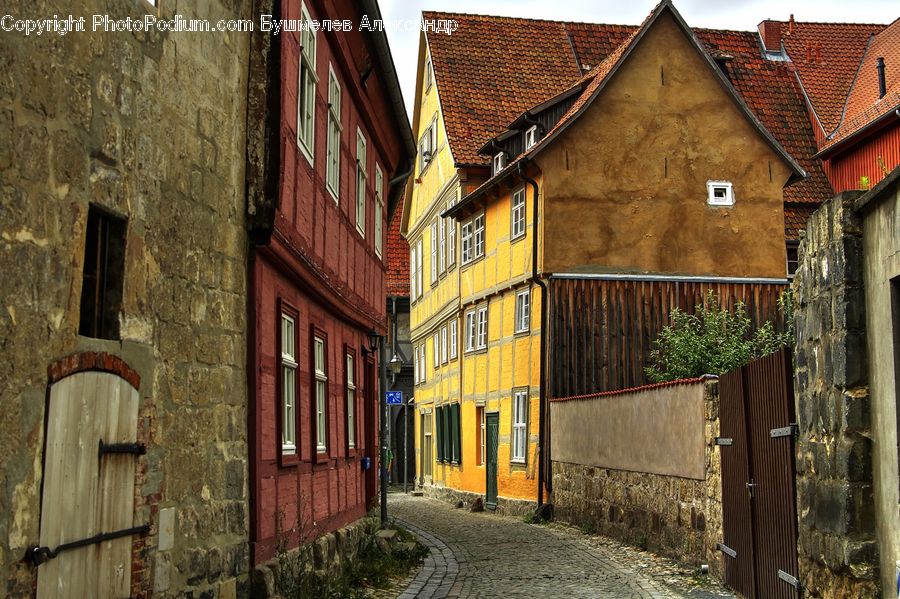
(439, 428)
(448, 452)
(456, 433)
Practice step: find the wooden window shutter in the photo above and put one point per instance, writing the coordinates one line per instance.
(439, 431)
(457, 441)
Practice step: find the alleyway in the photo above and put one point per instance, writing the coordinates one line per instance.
(485, 555)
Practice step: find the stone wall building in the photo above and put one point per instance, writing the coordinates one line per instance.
(123, 251)
(846, 358)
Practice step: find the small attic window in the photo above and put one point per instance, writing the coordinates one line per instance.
(499, 162)
(531, 137)
(719, 193)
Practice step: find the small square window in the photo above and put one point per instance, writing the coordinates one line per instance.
(719, 193)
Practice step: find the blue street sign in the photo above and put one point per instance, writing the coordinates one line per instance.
(394, 398)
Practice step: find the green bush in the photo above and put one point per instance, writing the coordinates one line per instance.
(714, 340)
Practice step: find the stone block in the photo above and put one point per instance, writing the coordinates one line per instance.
(166, 534)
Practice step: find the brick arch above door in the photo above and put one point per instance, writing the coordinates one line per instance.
(92, 360)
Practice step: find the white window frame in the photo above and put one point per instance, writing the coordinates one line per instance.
(442, 246)
(499, 162)
(351, 400)
(470, 331)
(423, 372)
(451, 237)
(478, 223)
(379, 211)
(429, 74)
(531, 137)
(517, 214)
(288, 392)
(444, 344)
(434, 253)
(454, 338)
(483, 431)
(523, 311)
(416, 365)
(481, 338)
(713, 186)
(333, 139)
(307, 81)
(412, 272)
(419, 273)
(436, 349)
(427, 145)
(361, 175)
(321, 390)
(519, 449)
(466, 239)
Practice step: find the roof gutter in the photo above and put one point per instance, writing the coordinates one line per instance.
(543, 448)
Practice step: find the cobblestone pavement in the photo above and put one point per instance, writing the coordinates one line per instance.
(476, 555)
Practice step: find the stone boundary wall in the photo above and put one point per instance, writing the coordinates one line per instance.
(674, 516)
(508, 507)
(837, 551)
(328, 556)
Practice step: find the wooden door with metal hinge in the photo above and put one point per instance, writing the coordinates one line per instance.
(87, 500)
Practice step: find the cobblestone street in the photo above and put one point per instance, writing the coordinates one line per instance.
(485, 555)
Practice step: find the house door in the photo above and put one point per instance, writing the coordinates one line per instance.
(372, 446)
(87, 501)
(492, 430)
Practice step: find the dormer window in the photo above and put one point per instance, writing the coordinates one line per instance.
(531, 137)
(499, 162)
(719, 193)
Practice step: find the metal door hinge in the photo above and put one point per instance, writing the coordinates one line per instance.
(726, 550)
(794, 582)
(785, 431)
(133, 448)
(724, 441)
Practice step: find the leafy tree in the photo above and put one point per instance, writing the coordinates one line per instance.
(714, 340)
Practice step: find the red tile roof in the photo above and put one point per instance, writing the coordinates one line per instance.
(863, 105)
(795, 217)
(826, 57)
(488, 74)
(397, 256)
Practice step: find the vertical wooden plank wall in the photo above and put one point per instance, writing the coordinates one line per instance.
(602, 331)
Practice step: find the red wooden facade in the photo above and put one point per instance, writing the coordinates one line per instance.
(318, 269)
(872, 158)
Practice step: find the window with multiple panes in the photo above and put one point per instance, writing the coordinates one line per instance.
(434, 253)
(473, 239)
(306, 81)
(523, 310)
(531, 137)
(481, 337)
(427, 444)
(428, 75)
(451, 234)
(427, 145)
(470, 330)
(435, 348)
(412, 273)
(103, 275)
(421, 269)
(351, 401)
(333, 150)
(520, 426)
(288, 385)
(422, 362)
(379, 210)
(444, 344)
(320, 392)
(442, 245)
(517, 217)
(793, 257)
(360, 182)
(454, 335)
(467, 253)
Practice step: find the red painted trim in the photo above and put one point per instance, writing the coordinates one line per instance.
(630, 390)
(92, 361)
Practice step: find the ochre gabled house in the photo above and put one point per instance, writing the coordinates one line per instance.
(547, 249)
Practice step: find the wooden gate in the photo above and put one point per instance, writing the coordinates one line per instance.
(759, 506)
(87, 501)
(492, 432)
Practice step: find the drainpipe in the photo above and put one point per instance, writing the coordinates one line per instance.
(542, 405)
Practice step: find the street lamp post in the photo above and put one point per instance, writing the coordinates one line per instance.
(377, 342)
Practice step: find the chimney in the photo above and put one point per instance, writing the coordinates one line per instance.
(770, 32)
(882, 86)
(791, 25)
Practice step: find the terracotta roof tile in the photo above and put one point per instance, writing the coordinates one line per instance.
(397, 256)
(863, 104)
(795, 217)
(826, 57)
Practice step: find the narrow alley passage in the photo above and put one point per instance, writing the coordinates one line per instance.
(486, 555)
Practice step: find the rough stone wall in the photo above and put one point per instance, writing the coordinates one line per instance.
(677, 517)
(150, 126)
(837, 551)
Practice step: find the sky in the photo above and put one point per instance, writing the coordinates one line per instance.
(722, 14)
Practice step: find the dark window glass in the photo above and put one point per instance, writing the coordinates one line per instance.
(103, 275)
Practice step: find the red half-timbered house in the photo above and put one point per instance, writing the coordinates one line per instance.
(332, 158)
